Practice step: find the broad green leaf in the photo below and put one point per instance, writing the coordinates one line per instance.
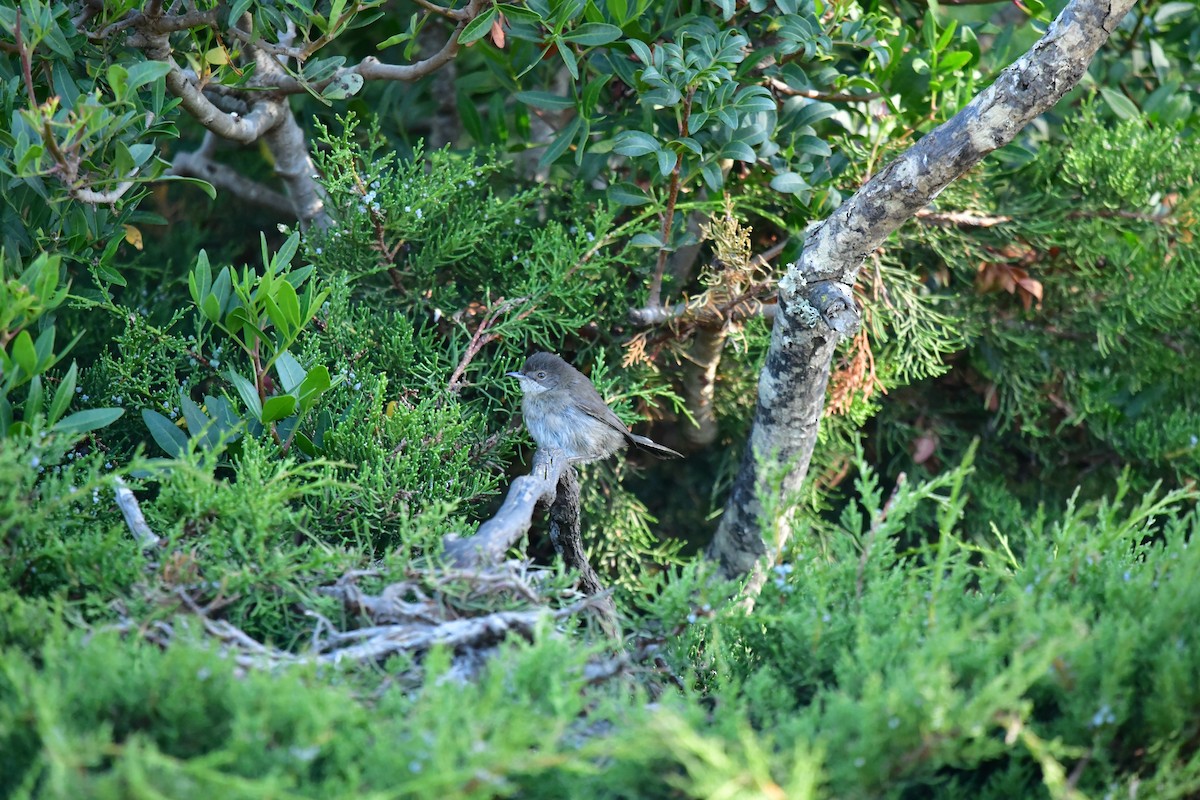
(952, 61)
(200, 427)
(278, 407)
(1121, 105)
(789, 183)
(546, 100)
(24, 354)
(667, 159)
(646, 240)
(628, 194)
(813, 145)
(145, 72)
(635, 143)
(641, 50)
(88, 420)
(478, 28)
(35, 398)
(63, 394)
(569, 60)
(248, 393)
(739, 151)
(1169, 12)
(344, 85)
(519, 14)
(315, 384)
(591, 34)
(289, 303)
(561, 142)
(291, 374)
(203, 186)
(166, 434)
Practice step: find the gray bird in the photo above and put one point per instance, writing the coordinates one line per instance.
(563, 411)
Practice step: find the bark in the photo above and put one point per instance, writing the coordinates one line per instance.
(815, 303)
(512, 521)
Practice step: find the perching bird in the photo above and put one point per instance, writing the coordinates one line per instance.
(563, 411)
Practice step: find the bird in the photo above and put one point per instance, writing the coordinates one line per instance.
(563, 411)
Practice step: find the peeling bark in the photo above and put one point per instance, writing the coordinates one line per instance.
(815, 304)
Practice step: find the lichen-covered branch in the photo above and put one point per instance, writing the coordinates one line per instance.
(512, 521)
(816, 308)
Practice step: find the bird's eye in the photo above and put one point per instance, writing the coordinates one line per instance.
(541, 375)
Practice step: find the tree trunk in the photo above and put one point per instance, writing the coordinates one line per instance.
(816, 307)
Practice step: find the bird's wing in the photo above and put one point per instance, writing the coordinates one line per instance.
(609, 418)
(613, 421)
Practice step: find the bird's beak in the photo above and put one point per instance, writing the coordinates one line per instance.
(514, 374)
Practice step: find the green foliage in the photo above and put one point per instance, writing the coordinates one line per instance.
(1100, 356)
(25, 301)
(1020, 630)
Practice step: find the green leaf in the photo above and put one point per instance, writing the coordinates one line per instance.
(144, 72)
(344, 85)
(619, 9)
(34, 400)
(118, 79)
(561, 142)
(591, 34)
(628, 194)
(569, 60)
(739, 151)
(88, 420)
(713, 176)
(478, 28)
(666, 161)
(641, 50)
(1121, 105)
(635, 143)
(315, 384)
(952, 61)
(788, 183)
(646, 240)
(24, 354)
(1169, 12)
(546, 100)
(237, 9)
(813, 145)
(289, 303)
(278, 407)
(520, 14)
(63, 394)
(248, 393)
(200, 427)
(203, 186)
(166, 434)
(291, 374)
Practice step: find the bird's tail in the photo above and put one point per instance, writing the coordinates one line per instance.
(653, 447)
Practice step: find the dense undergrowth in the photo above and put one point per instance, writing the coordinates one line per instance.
(991, 591)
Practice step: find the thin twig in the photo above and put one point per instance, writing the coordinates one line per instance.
(482, 337)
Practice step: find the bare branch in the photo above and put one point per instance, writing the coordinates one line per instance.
(199, 164)
(86, 195)
(372, 69)
(483, 336)
(960, 219)
(512, 521)
(264, 114)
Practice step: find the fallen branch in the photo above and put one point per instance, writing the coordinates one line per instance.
(127, 502)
